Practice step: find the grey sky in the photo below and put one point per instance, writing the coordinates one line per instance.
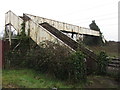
(77, 12)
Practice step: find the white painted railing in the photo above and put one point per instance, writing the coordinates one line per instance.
(64, 26)
(14, 20)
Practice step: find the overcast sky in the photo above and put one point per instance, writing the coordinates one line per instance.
(77, 12)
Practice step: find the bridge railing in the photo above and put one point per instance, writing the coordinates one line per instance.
(64, 26)
(14, 20)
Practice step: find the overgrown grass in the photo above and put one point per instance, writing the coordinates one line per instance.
(28, 78)
(110, 50)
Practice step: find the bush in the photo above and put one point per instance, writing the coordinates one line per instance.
(118, 76)
(16, 56)
(57, 60)
(53, 59)
(50, 58)
(102, 63)
(78, 70)
(14, 59)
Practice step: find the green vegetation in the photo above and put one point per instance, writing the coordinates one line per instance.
(50, 68)
(49, 65)
(52, 59)
(48, 57)
(27, 78)
(118, 76)
(23, 29)
(78, 68)
(111, 48)
(102, 63)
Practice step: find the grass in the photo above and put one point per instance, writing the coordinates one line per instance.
(30, 79)
(111, 48)
(27, 78)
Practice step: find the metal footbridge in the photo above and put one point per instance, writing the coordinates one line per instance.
(42, 29)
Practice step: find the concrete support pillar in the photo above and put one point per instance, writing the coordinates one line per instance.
(82, 37)
(10, 34)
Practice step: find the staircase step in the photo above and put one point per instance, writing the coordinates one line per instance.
(114, 65)
(114, 62)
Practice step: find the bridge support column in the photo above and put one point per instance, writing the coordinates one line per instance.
(82, 37)
(8, 32)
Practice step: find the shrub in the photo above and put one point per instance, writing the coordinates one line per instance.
(14, 59)
(78, 70)
(102, 63)
(118, 76)
(57, 60)
(16, 56)
(51, 58)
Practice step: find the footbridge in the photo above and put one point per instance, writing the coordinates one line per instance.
(42, 29)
